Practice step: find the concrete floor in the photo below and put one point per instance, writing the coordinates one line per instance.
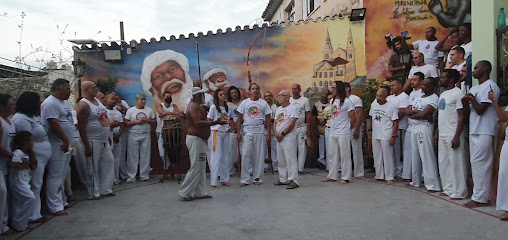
(359, 210)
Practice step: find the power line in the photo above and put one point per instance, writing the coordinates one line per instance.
(6, 59)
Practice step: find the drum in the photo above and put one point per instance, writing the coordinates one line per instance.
(172, 132)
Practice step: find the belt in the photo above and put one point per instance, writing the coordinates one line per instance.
(422, 123)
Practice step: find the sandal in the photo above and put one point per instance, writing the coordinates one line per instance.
(292, 185)
(278, 183)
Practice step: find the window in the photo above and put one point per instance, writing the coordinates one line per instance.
(326, 56)
(312, 5)
(330, 83)
(320, 83)
(350, 56)
(331, 74)
(314, 83)
(326, 74)
(290, 11)
(337, 73)
(341, 73)
(320, 74)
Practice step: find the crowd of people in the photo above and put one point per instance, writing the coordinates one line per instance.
(111, 142)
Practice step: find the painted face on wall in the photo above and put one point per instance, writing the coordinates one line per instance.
(216, 81)
(168, 77)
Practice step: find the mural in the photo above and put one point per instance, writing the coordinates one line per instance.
(312, 54)
(415, 16)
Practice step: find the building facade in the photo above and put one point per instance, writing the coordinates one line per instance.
(278, 11)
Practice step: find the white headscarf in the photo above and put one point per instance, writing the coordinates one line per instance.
(213, 71)
(156, 59)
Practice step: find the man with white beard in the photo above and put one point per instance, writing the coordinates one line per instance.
(215, 78)
(167, 71)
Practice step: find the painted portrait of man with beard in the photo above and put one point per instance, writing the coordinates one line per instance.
(167, 71)
(216, 78)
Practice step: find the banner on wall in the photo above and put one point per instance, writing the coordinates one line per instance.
(414, 16)
(313, 54)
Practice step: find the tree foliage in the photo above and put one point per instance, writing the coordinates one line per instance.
(369, 94)
(107, 85)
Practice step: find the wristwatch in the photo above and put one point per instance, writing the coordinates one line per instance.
(282, 133)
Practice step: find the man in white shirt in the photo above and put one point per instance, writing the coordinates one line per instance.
(234, 100)
(483, 123)
(284, 127)
(321, 122)
(165, 108)
(302, 105)
(357, 133)
(428, 48)
(384, 132)
(7, 133)
(451, 151)
(139, 118)
(401, 100)
(253, 114)
(116, 130)
(407, 171)
(122, 106)
(420, 66)
(272, 151)
(457, 58)
(422, 115)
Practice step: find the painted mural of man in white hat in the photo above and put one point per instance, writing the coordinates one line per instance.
(167, 71)
(215, 78)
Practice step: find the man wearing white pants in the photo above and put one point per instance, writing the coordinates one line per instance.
(318, 110)
(3, 205)
(284, 130)
(7, 133)
(407, 170)
(422, 115)
(139, 118)
(122, 106)
(268, 96)
(234, 99)
(357, 133)
(401, 100)
(57, 118)
(482, 129)
(165, 108)
(384, 132)
(116, 131)
(302, 105)
(451, 151)
(93, 125)
(343, 120)
(253, 114)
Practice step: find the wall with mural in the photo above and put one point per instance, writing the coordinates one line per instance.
(415, 16)
(313, 54)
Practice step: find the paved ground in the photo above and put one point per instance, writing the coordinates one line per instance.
(359, 210)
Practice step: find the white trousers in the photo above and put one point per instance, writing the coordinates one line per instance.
(22, 202)
(233, 152)
(322, 149)
(58, 166)
(397, 153)
(482, 158)
(327, 147)
(407, 154)
(4, 208)
(124, 141)
(356, 146)
(100, 170)
(383, 159)
(301, 146)
(162, 151)
(253, 153)
(138, 153)
(117, 153)
(340, 148)
(288, 163)
(452, 167)
(424, 158)
(42, 151)
(219, 158)
(194, 184)
(273, 150)
(80, 159)
(502, 184)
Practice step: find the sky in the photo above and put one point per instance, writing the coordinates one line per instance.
(47, 25)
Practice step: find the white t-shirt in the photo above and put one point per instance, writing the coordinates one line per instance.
(115, 115)
(213, 114)
(412, 96)
(448, 118)
(54, 108)
(400, 101)
(460, 66)
(302, 106)
(357, 103)
(468, 49)
(272, 115)
(8, 133)
(283, 116)
(134, 114)
(20, 175)
(234, 107)
(427, 70)
(171, 108)
(341, 123)
(254, 113)
(484, 124)
(428, 48)
(382, 119)
(33, 125)
(420, 103)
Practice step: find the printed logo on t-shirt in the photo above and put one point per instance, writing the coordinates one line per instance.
(299, 107)
(253, 111)
(141, 116)
(428, 46)
(224, 116)
(419, 136)
(281, 118)
(335, 111)
(69, 117)
(378, 114)
(235, 111)
(103, 117)
(442, 104)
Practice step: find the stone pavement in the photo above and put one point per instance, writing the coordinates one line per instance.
(359, 210)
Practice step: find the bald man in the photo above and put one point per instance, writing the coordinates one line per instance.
(302, 105)
(385, 124)
(93, 126)
(483, 123)
(420, 66)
